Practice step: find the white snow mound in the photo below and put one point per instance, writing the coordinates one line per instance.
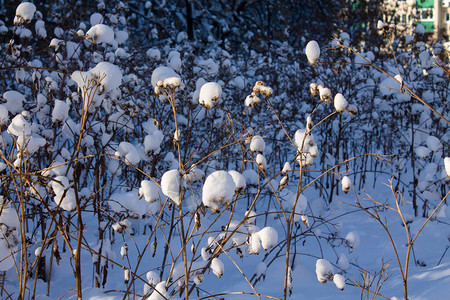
(209, 94)
(219, 188)
(312, 52)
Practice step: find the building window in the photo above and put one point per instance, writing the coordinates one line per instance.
(447, 17)
(427, 14)
(404, 18)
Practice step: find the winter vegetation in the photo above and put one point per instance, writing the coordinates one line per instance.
(197, 150)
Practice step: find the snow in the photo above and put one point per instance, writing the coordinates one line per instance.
(130, 153)
(268, 236)
(324, 270)
(261, 161)
(346, 184)
(162, 74)
(381, 25)
(25, 11)
(339, 281)
(14, 101)
(217, 267)
(340, 103)
(4, 117)
(171, 185)
(96, 18)
(160, 292)
(423, 151)
(324, 93)
(343, 262)
(19, 126)
(312, 52)
(60, 111)
(286, 168)
(121, 36)
(154, 53)
(209, 94)
(447, 166)
(110, 75)
(238, 179)
(208, 66)
(150, 190)
(174, 60)
(9, 235)
(64, 194)
(100, 33)
(257, 144)
(126, 150)
(219, 188)
(433, 143)
(352, 240)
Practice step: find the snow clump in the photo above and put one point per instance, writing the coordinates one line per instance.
(110, 76)
(100, 33)
(324, 270)
(339, 281)
(60, 111)
(257, 144)
(163, 77)
(219, 188)
(268, 237)
(4, 117)
(24, 13)
(217, 267)
(14, 101)
(340, 103)
(447, 166)
(209, 94)
(149, 190)
(239, 181)
(307, 146)
(9, 235)
(312, 52)
(64, 194)
(160, 292)
(346, 184)
(171, 185)
(352, 240)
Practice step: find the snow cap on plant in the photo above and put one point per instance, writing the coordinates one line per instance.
(324, 270)
(352, 240)
(24, 13)
(307, 147)
(210, 93)
(10, 237)
(268, 237)
(381, 25)
(340, 103)
(346, 184)
(339, 281)
(164, 77)
(312, 52)
(257, 144)
(314, 89)
(100, 33)
(14, 101)
(260, 88)
(447, 166)
(324, 93)
(286, 168)
(217, 267)
(261, 161)
(171, 184)
(219, 188)
(239, 181)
